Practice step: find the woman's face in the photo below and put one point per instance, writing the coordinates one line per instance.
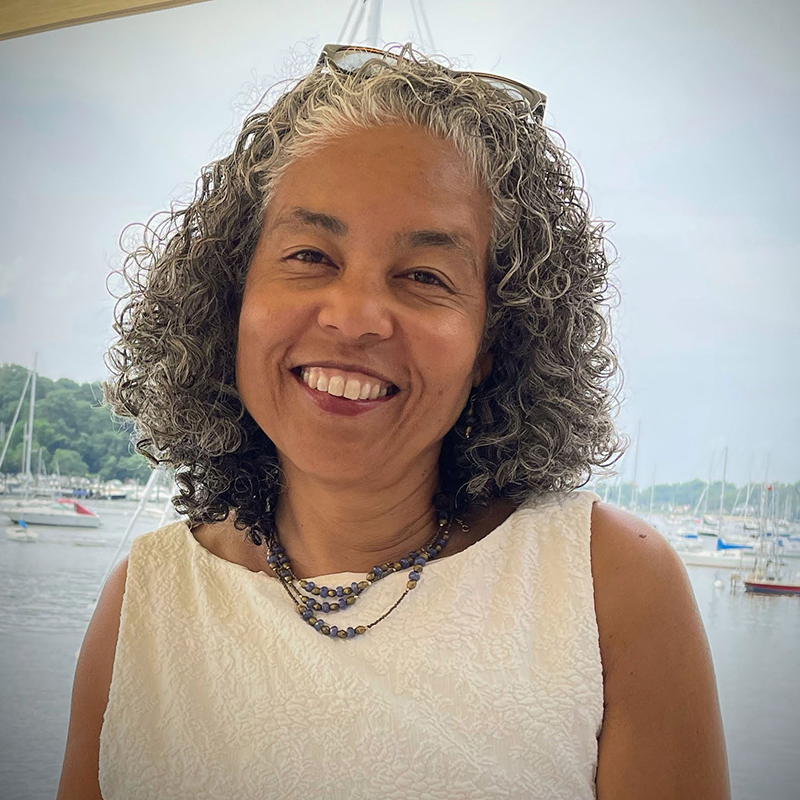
(372, 254)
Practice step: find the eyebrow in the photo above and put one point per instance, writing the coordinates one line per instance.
(314, 219)
(448, 240)
(444, 239)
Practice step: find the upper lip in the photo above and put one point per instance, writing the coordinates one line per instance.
(347, 368)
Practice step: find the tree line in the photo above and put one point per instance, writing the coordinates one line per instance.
(781, 499)
(74, 432)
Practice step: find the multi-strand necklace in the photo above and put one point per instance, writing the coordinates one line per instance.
(325, 600)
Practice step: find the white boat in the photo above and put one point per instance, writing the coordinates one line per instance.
(64, 512)
(716, 558)
(695, 554)
(21, 533)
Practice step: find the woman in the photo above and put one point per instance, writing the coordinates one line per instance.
(373, 349)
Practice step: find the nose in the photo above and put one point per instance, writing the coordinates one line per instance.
(357, 309)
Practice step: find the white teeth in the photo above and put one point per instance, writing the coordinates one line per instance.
(354, 389)
(336, 386)
(318, 380)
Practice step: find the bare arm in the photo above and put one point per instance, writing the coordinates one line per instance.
(79, 774)
(662, 735)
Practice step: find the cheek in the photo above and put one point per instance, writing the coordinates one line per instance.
(450, 349)
(263, 322)
(262, 327)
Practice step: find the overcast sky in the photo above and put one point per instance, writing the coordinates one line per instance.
(683, 115)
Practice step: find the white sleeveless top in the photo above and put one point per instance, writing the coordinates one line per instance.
(485, 682)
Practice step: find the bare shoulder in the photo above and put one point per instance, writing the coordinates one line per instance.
(79, 774)
(225, 541)
(662, 732)
(635, 569)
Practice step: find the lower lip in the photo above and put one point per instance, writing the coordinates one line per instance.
(340, 405)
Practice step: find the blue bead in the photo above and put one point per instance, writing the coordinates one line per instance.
(350, 633)
(339, 591)
(307, 613)
(420, 562)
(323, 591)
(377, 571)
(354, 587)
(404, 563)
(309, 586)
(272, 559)
(319, 623)
(309, 601)
(334, 632)
(413, 575)
(326, 607)
(431, 552)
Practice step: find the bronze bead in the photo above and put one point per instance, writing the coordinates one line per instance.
(348, 590)
(360, 629)
(363, 584)
(350, 601)
(334, 606)
(315, 590)
(311, 620)
(326, 629)
(342, 634)
(317, 606)
(411, 584)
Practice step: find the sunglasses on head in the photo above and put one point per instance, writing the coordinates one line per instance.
(349, 58)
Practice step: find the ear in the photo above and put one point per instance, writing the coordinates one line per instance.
(483, 368)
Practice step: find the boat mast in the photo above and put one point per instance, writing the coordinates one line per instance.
(28, 475)
(722, 491)
(16, 416)
(708, 486)
(373, 9)
(652, 490)
(635, 488)
(374, 22)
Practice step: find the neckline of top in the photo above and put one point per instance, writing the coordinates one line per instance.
(344, 577)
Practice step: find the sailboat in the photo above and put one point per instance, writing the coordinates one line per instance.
(768, 573)
(63, 511)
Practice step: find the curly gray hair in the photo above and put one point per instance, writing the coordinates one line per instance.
(543, 416)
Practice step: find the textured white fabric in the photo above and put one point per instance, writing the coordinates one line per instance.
(485, 682)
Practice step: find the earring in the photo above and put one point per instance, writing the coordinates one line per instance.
(470, 419)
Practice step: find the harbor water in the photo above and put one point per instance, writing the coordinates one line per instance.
(48, 587)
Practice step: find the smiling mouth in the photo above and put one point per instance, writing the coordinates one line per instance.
(391, 390)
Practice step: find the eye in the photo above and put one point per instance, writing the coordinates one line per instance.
(308, 256)
(428, 277)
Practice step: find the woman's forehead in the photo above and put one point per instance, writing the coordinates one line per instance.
(398, 176)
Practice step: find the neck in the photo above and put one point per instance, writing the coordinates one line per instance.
(327, 528)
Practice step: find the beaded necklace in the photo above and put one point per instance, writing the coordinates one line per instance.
(344, 596)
